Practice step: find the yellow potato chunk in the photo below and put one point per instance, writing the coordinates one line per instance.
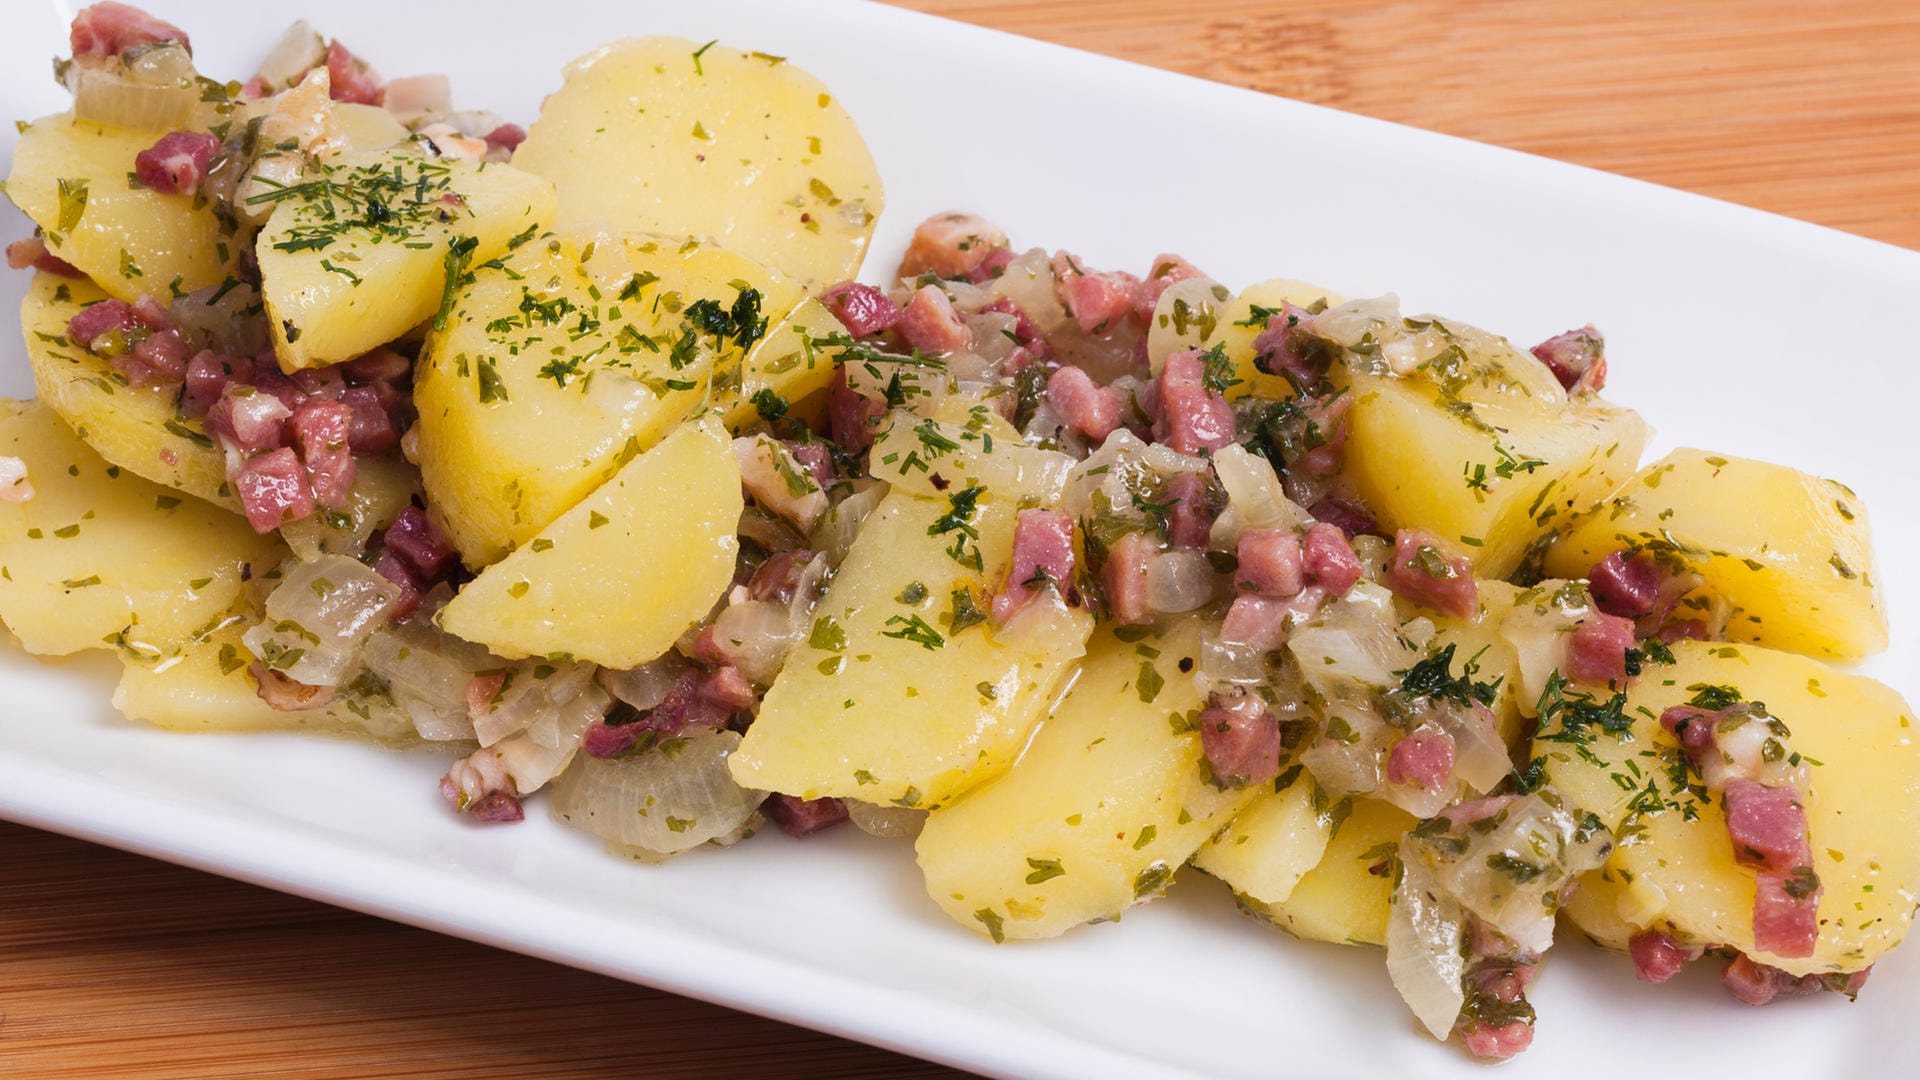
(101, 558)
(208, 688)
(561, 363)
(1270, 844)
(70, 177)
(1674, 859)
(618, 578)
(1343, 899)
(665, 135)
(1790, 554)
(1112, 796)
(1479, 446)
(362, 249)
(792, 363)
(1191, 315)
(139, 429)
(888, 702)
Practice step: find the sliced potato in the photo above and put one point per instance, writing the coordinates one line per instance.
(1109, 800)
(1674, 857)
(665, 135)
(1480, 446)
(558, 365)
(1196, 317)
(101, 558)
(619, 577)
(887, 703)
(140, 428)
(360, 253)
(1790, 554)
(796, 360)
(1269, 845)
(1344, 899)
(70, 177)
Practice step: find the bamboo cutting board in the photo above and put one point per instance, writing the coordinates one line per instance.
(116, 966)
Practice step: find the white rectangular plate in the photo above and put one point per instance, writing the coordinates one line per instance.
(1728, 328)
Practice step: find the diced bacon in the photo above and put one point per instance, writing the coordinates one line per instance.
(1167, 270)
(696, 699)
(482, 691)
(1088, 408)
(32, 253)
(249, 419)
(1767, 825)
(1097, 300)
(273, 490)
(1329, 559)
(816, 458)
(799, 817)
(1496, 1042)
(1461, 815)
(416, 539)
(951, 245)
(1657, 957)
(177, 163)
(1577, 359)
(1786, 917)
(995, 264)
(1125, 579)
(352, 80)
(320, 382)
(778, 579)
(370, 428)
(1025, 333)
(109, 29)
(728, 688)
(395, 569)
(15, 486)
(163, 354)
(1271, 563)
(1240, 738)
(1346, 515)
(1757, 984)
(507, 137)
(380, 365)
(1597, 649)
(1324, 432)
(778, 481)
(930, 324)
(208, 374)
(480, 786)
(93, 327)
(1286, 348)
(1693, 727)
(1190, 521)
(320, 431)
(1685, 628)
(1420, 572)
(1424, 757)
(1257, 622)
(1192, 418)
(1623, 587)
(254, 88)
(851, 415)
(862, 309)
(1042, 558)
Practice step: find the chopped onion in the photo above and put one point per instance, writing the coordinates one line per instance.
(1179, 581)
(427, 672)
(1122, 466)
(1028, 282)
(757, 635)
(767, 529)
(1356, 320)
(297, 51)
(155, 90)
(319, 618)
(646, 686)
(1426, 936)
(992, 335)
(1480, 757)
(529, 700)
(1515, 864)
(1355, 637)
(1350, 764)
(886, 822)
(834, 534)
(1231, 662)
(225, 318)
(673, 796)
(1255, 499)
(1537, 628)
(540, 753)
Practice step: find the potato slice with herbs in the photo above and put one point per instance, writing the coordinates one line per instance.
(1111, 797)
(665, 135)
(1271, 843)
(71, 177)
(904, 694)
(565, 359)
(622, 575)
(1191, 315)
(371, 244)
(1345, 898)
(1790, 554)
(796, 360)
(139, 428)
(101, 558)
(1674, 856)
(1475, 443)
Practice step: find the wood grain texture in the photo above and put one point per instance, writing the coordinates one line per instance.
(117, 966)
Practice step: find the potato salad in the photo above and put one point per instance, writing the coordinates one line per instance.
(579, 451)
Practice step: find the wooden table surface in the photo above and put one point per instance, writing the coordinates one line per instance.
(117, 966)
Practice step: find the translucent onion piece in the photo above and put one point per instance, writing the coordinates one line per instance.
(1230, 662)
(1377, 317)
(1120, 466)
(1028, 282)
(318, 619)
(833, 534)
(145, 95)
(1511, 874)
(646, 686)
(886, 822)
(1346, 760)
(533, 696)
(1480, 757)
(674, 796)
(1179, 581)
(296, 52)
(427, 672)
(231, 325)
(1537, 628)
(1255, 499)
(534, 757)
(767, 529)
(757, 635)
(1354, 638)
(1426, 932)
